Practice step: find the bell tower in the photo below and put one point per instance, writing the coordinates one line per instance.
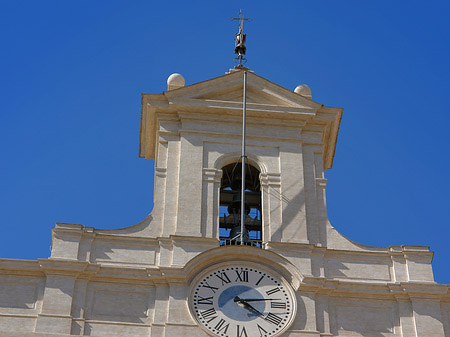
(189, 269)
(238, 243)
(194, 134)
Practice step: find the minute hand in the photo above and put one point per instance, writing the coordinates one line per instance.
(259, 299)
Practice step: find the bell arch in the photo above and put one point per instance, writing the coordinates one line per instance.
(270, 260)
(269, 194)
(232, 157)
(230, 206)
(229, 199)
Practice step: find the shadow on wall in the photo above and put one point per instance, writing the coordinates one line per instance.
(292, 206)
(363, 318)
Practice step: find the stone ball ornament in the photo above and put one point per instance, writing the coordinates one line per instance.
(303, 90)
(242, 299)
(175, 81)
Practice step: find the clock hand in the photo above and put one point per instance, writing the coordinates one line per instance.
(259, 299)
(247, 306)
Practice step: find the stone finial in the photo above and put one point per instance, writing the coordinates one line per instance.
(303, 90)
(175, 81)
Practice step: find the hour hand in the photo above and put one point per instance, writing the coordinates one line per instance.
(247, 306)
(259, 299)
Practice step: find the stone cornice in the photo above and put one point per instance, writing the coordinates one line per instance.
(428, 290)
(193, 240)
(20, 267)
(380, 290)
(153, 276)
(270, 102)
(54, 266)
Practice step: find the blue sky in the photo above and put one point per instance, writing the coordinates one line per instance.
(72, 73)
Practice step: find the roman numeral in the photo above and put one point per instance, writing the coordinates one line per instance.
(241, 333)
(272, 291)
(278, 305)
(205, 300)
(209, 312)
(224, 278)
(221, 326)
(242, 276)
(262, 332)
(260, 279)
(272, 318)
(206, 285)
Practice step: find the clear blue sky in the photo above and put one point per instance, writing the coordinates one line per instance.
(72, 73)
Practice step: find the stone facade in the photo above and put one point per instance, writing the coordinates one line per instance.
(136, 281)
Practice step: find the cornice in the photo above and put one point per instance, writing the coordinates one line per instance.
(215, 97)
(194, 240)
(63, 267)
(425, 290)
(290, 246)
(154, 276)
(333, 117)
(379, 290)
(20, 267)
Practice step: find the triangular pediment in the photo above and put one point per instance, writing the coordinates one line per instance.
(222, 97)
(236, 94)
(229, 88)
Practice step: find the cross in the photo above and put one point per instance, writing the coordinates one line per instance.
(241, 18)
(239, 39)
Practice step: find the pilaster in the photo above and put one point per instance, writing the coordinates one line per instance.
(210, 202)
(55, 316)
(161, 312)
(66, 241)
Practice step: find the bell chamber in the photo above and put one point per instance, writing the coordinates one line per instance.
(230, 206)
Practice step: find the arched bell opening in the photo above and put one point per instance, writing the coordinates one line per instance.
(230, 206)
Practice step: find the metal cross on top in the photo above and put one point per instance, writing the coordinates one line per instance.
(239, 40)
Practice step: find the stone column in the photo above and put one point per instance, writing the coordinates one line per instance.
(310, 185)
(427, 317)
(305, 322)
(55, 316)
(172, 179)
(78, 311)
(265, 206)
(418, 263)
(293, 197)
(161, 312)
(180, 323)
(271, 207)
(323, 315)
(400, 273)
(406, 317)
(66, 241)
(210, 204)
(188, 222)
(322, 216)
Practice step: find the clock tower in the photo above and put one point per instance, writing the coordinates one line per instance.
(207, 262)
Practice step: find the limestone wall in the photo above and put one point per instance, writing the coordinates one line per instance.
(76, 297)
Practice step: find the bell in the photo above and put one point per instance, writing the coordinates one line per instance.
(235, 206)
(236, 178)
(235, 209)
(235, 234)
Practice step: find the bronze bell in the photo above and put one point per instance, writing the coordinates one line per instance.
(235, 206)
(235, 234)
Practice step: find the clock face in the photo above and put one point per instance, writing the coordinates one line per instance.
(242, 301)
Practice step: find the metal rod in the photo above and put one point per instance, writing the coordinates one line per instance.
(243, 157)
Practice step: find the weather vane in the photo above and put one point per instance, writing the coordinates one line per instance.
(239, 40)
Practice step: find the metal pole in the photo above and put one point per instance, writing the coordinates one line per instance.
(243, 157)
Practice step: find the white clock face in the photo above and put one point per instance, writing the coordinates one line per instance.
(242, 301)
